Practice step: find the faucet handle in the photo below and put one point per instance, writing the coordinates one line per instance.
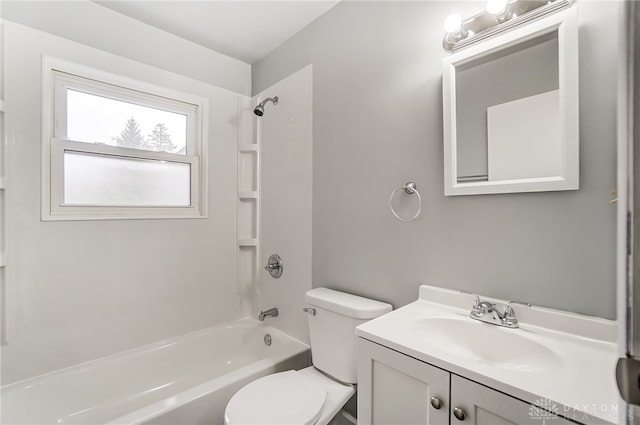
(476, 310)
(509, 309)
(509, 316)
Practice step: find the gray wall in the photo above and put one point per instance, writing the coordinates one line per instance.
(377, 123)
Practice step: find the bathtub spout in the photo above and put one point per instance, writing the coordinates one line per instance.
(272, 312)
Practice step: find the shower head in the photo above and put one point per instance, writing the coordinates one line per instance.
(259, 110)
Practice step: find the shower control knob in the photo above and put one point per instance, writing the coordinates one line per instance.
(274, 266)
(459, 414)
(436, 403)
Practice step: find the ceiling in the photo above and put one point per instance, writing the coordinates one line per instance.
(243, 29)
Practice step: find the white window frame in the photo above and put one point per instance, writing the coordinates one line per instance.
(60, 75)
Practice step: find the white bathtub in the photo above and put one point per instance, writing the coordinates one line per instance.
(184, 380)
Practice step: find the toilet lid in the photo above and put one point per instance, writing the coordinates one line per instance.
(281, 398)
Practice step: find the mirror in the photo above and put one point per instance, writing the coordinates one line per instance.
(511, 111)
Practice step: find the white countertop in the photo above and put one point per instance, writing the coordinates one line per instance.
(581, 381)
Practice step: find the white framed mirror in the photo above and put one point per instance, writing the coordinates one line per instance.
(511, 111)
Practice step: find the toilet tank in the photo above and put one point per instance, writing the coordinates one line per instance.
(332, 330)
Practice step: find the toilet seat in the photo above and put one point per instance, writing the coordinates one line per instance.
(281, 398)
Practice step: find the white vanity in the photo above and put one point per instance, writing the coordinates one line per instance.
(430, 363)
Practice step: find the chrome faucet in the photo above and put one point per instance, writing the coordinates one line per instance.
(488, 312)
(272, 312)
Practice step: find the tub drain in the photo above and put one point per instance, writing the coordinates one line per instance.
(267, 340)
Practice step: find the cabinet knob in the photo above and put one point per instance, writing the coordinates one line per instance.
(459, 414)
(436, 403)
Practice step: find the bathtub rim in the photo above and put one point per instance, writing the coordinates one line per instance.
(247, 320)
(162, 407)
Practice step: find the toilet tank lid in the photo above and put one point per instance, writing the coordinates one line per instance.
(346, 304)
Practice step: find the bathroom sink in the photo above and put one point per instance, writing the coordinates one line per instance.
(547, 358)
(502, 347)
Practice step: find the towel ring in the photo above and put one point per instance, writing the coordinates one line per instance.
(410, 188)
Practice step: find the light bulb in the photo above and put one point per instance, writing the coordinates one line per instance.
(497, 7)
(453, 23)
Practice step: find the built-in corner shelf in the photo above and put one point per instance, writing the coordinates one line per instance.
(247, 201)
(251, 194)
(252, 242)
(248, 148)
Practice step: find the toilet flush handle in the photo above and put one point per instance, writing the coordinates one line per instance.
(311, 311)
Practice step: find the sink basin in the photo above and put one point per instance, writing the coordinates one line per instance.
(471, 339)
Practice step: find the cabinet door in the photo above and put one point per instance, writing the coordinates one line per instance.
(483, 406)
(395, 389)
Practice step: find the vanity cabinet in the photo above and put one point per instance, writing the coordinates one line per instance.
(397, 389)
(483, 406)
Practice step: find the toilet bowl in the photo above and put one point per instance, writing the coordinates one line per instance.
(314, 395)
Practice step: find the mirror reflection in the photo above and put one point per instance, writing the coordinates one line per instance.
(507, 115)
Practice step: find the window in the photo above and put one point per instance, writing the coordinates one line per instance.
(119, 148)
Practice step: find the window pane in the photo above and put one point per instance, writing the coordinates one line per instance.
(91, 179)
(98, 119)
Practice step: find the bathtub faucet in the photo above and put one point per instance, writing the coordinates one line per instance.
(272, 312)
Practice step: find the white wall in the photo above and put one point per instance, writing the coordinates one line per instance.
(285, 137)
(81, 290)
(92, 24)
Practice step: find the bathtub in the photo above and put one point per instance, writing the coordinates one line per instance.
(184, 380)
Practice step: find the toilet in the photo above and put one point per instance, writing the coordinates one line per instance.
(314, 395)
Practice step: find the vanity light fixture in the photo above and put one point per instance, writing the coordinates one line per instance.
(500, 9)
(499, 16)
(453, 27)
